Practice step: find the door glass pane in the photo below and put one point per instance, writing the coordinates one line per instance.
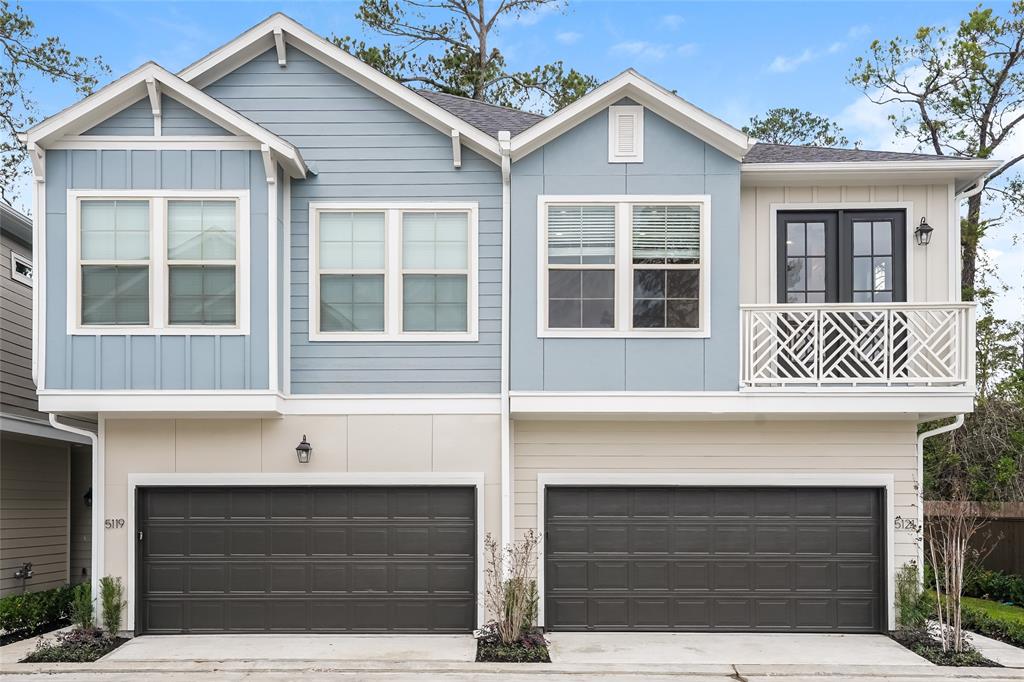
(115, 294)
(816, 274)
(352, 240)
(201, 230)
(861, 238)
(434, 303)
(882, 274)
(815, 239)
(581, 234)
(795, 280)
(352, 303)
(882, 238)
(201, 294)
(795, 239)
(862, 274)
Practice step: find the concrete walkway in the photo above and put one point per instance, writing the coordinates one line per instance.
(685, 649)
(334, 648)
(1000, 652)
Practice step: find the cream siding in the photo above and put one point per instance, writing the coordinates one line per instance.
(33, 512)
(374, 443)
(928, 271)
(747, 447)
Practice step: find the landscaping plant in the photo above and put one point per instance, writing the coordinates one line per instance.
(510, 597)
(913, 607)
(74, 646)
(81, 607)
(112, 603)
(25, 615)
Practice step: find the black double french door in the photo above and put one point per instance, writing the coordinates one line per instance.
(846, 256)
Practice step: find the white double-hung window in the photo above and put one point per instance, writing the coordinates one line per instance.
(393, 272)
(617, 266)
(158, 262)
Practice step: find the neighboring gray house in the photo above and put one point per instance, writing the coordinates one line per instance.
(334, 330)
(45, 473)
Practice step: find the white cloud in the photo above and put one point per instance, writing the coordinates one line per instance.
(672, 22)
(535, 16)
(858, 31)
(642, 49)
(836, 47)
(786, 64)
(568, 37)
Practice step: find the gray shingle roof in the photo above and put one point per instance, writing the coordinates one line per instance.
(489, 118)
(785, 153)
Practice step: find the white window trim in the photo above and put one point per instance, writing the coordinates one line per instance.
(637, 112)
(624, 267)
(16, 260)
(393, 271)
(158, 264)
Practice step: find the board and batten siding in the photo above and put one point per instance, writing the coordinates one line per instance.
(85, 361)
(33, 512)
(17, 392)
(176, 119)
(365, 149)
(928, 277)
(723, 447)
(675, 163)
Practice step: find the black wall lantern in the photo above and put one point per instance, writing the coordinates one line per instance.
(923, 233)
(303, 450)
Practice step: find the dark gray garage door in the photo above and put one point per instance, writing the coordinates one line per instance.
(295, 559)
(771, 559)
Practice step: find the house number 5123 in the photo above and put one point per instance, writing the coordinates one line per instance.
(110, 524)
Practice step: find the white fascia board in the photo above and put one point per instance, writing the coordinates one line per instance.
(723, 405)
(260, 38)
(964, 172)
(630, 84)
(214, 403)
(130, 88)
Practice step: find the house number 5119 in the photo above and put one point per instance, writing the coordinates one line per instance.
(110, 524)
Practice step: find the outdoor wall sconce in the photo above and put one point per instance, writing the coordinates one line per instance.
(25, 572)
(303, 450)
(923, 233)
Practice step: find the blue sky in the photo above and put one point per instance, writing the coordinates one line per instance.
(734, 59)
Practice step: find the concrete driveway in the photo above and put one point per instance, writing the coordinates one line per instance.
(687, 648)
(390, 648)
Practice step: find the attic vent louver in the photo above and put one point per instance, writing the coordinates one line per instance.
(625, 134)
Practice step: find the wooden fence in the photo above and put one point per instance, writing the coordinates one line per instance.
(1003, 535)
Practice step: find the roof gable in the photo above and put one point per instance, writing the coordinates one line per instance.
(279, 30)
(630, 84)
(138, 84)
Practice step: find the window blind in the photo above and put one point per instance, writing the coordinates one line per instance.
(581, 234)
(666, 234)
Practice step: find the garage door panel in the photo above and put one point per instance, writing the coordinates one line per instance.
(773, 559)
(307, 559)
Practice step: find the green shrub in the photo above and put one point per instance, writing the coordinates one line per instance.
(24, 614)
(81, 606)
(112, 603)
(913, 606)
(995, 586)
(976, 620)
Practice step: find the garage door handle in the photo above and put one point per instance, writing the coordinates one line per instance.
(140, 535)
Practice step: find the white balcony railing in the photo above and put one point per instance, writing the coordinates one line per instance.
(858, 345)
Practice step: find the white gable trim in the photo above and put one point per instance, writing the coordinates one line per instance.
(137, 85)
(630, 84)
(261, 38)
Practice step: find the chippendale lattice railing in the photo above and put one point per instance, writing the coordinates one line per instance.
(858, 344)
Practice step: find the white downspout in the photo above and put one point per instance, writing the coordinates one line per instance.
(952, 426)
(97, 503)
(505, 145)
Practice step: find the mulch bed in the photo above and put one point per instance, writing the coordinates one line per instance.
(74, 646)
(926, 646)
(531, 648)
(19, 635)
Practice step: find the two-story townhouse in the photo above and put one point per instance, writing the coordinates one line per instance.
(334, 330)
(45, 475)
